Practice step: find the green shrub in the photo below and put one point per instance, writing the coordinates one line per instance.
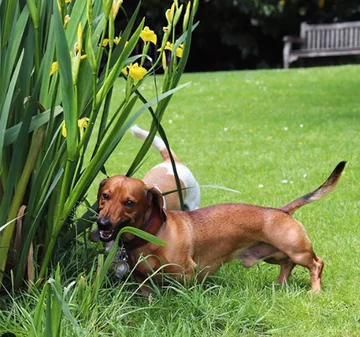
(59, 61)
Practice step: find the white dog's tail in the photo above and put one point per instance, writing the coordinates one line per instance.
(158, 143)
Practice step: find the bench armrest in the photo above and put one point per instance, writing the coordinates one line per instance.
(288, 44)
(293, 39)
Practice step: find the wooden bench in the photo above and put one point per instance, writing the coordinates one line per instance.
(334, 39)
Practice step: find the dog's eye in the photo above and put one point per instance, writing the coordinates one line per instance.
(129, 203)
(104, 196)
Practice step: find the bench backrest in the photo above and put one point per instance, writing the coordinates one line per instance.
(345, 35)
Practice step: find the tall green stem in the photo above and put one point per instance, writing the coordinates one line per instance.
(5, 239)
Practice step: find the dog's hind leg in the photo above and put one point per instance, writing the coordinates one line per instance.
(286, 267)
(296, 245)
(315, 268)
(314, 264)
(315, 274)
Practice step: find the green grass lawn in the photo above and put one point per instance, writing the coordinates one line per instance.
(273, 135)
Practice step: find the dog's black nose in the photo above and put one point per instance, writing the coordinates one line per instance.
(104, 223)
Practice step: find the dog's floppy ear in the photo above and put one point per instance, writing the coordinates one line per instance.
(102, 183)
(156, 199)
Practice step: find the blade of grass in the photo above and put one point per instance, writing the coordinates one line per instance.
(65, 309)
(35, 328)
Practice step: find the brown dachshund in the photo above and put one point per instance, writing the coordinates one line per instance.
(200, 241)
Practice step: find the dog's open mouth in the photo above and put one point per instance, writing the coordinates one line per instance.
(110, 234)
(106, 235)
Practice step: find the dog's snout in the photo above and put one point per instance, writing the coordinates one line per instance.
(104, 223)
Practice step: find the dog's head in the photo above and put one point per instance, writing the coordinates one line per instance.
(124, 202)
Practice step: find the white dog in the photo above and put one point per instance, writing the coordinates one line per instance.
(162, 177)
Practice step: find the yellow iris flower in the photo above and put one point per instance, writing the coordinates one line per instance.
(179, 50)
(54, 68)
(135, 71)
(148, 35)
(116, 41)
(82, 124)
(63, 129)
(55, 65)
(168, 46)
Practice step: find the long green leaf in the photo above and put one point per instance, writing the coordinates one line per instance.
(5, 109)
(37, 121)
(66, 85)
(7, 25)
(15, 46)
(219, 187)
(143, 235)
(48, 92)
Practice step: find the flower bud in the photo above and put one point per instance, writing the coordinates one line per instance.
(177, 15)
(115, 7)
(66, 20)
(107, 5)
(169, 14)
(186, 16)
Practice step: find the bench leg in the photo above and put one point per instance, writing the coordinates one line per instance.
(286, 54)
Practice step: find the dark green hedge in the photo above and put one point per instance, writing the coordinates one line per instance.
(238, 34)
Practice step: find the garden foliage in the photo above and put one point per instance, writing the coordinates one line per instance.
(59, 61)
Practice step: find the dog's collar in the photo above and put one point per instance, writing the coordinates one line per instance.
(152, 226)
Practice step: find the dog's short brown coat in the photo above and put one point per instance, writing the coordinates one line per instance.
(203, 239)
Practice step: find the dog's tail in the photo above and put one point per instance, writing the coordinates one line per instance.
(319, 193)
(158, 143)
